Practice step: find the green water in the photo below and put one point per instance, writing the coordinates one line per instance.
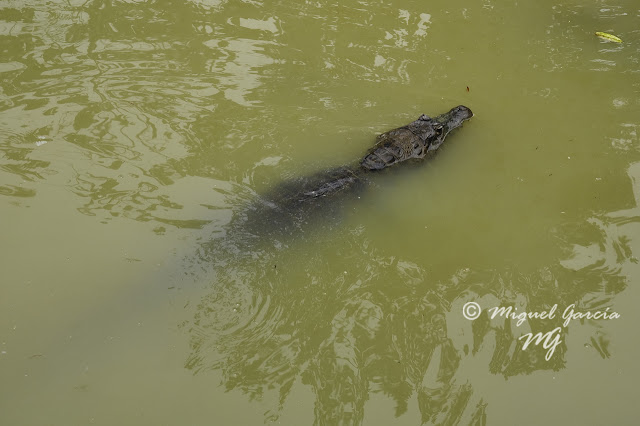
(133, 134)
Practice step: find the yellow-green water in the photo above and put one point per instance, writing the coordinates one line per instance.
(133, 133)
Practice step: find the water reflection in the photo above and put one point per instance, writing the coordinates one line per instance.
(149, 93)
(142, 102)
(121, 88)
(348, 319)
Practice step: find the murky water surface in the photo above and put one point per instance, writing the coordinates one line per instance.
(135, 136)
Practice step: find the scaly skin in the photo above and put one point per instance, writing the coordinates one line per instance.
(414, 141)
(292, 203)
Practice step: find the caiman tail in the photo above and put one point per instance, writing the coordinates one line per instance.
(291, 204)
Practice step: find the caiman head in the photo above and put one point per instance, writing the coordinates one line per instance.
(415, 140)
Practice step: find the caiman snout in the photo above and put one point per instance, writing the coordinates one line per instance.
(449, 121)
(462, 110)
(455, 117)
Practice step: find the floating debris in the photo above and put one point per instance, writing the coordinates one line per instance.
(41, 140)
(609, 37)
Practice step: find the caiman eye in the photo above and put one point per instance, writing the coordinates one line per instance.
(439, 130)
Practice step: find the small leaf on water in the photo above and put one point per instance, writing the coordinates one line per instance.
(609, 37)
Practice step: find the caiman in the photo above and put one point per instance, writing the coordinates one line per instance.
(290, 202)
